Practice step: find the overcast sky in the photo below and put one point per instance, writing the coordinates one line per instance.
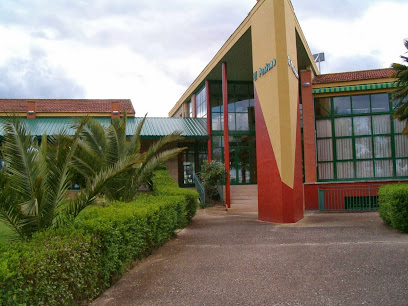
(151, 50)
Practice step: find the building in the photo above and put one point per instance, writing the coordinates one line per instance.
(301, 139)
(51, 116)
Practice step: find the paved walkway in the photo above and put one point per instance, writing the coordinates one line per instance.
(232, 259)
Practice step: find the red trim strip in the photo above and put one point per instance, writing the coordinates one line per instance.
(194, 106)
(226, 134)
(207, 93)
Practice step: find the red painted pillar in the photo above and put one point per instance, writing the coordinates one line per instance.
(207, 94)
(309, 139)
(194, 105)
(226, 134)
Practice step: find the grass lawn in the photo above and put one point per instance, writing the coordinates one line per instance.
(4, 232)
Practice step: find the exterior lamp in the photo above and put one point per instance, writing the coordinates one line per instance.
(306, 84)
(31, 112)
(115, 112)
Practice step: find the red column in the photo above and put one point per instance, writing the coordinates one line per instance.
(207, 94)
(309, 139)
(194, 105)
(31, 109)
(226, 134)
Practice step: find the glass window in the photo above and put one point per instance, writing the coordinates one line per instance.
(382, 124)
(361, 104)
(384, 168)
(345, 170)
(343, 127)
(382, 146)
(401, 146)
(324, 149)
(322, 107)
(344, 147)
(323, 128)
(363, 144)
(362, 125)
(216, 122)
(364, 148)
(380, 103)
(326, 171)
(342, 105)
(402, 167)
(242, 122)
(365, 169)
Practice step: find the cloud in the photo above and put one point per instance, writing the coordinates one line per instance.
(34, 77)
(335, 9)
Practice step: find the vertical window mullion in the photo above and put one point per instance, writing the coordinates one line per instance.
(372, 141)
(333, 143)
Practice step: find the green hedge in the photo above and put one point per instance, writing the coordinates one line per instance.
(163, 184)
(393, 201)
(74, 264)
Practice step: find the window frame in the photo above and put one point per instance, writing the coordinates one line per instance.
(332, 117)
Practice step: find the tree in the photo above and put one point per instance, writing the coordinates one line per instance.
(401, 93)
(101, 147)
(36, 178)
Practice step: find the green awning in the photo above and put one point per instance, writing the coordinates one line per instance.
(195, 128)
(355, 87)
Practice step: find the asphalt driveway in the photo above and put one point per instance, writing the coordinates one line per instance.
(233, 259)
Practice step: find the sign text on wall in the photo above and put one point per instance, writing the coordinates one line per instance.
(265, 69)
(290, 63)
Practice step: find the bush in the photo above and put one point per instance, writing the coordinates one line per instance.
(163, 184)
(74, 264)
(212, 174)
(55, 267)
(393, 202)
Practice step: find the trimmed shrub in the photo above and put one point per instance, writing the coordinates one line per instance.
(74, 264)
(163, 184)
(393, 202)
(55, 267)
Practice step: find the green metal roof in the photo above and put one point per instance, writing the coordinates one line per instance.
(153, 127)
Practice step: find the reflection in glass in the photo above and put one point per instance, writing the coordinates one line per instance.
(341, 105)
(344, 148)
(323, 128)
(242, 122)
(401, 146)
(345, 170)
(322, 107)
(343, 127)
(324, 149)
(402, 167)
(382, 124)
(326, 171)
(361, 104)
(384, 168)
(382, 146)
(380, 103)
(364, 148)
(362, 125)
(365, 169)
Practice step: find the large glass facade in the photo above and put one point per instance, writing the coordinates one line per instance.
(358, 140)
(201, 103)
(241, 122)
(190, 161)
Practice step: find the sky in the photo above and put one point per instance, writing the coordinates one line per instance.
(150, 51)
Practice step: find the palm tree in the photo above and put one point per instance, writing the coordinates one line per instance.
(101, 147)
(401, 93)
(36, 178)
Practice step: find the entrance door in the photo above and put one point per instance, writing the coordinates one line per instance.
(241, 166)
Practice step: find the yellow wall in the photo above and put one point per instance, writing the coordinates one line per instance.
(273, 29)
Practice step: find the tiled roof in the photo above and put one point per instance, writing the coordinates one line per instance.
(195, 128)
(65, 105)
(354, 76)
